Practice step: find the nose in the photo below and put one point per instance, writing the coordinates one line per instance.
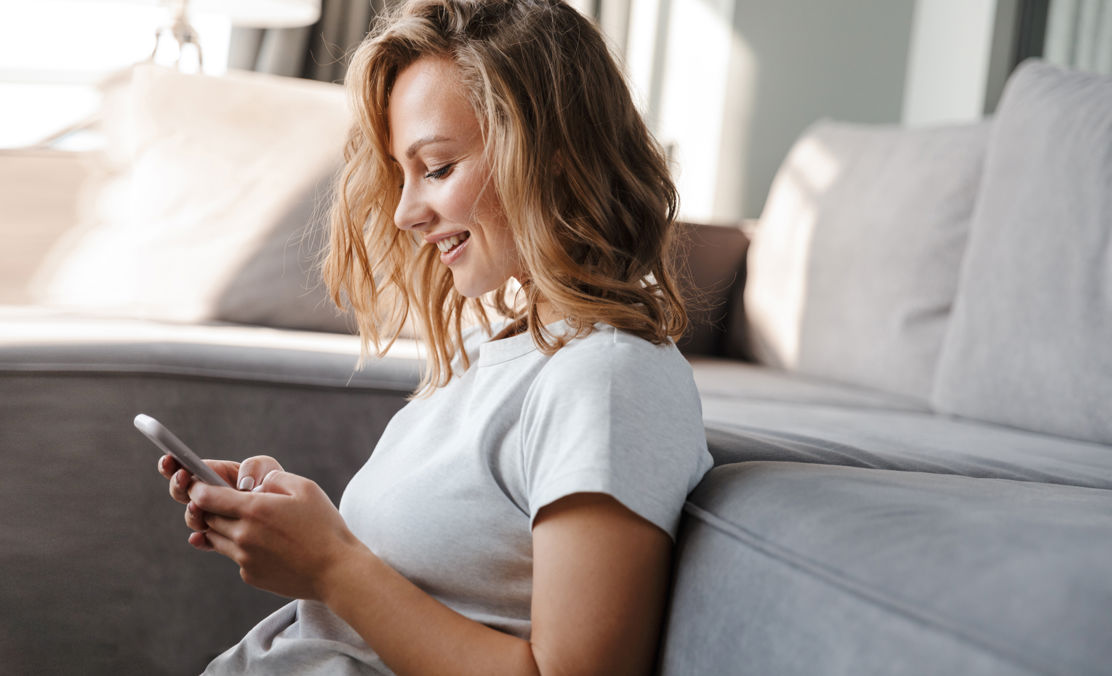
(413, 210)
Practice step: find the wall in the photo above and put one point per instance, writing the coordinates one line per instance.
(960, 56)
(729, 84)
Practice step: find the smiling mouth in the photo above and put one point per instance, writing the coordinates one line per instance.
(449, 243)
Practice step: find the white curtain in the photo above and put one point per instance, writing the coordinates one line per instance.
(1079, 34)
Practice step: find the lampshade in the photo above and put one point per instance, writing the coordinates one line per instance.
(249, 13)
(262, 13)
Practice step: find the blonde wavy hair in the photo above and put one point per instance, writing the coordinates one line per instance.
(585, 188)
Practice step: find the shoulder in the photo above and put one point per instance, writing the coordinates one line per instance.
(615, 360)
(615, 351)
(613, 413)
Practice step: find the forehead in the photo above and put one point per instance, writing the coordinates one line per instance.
(428, 101)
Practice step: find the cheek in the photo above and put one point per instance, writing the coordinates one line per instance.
(496, 233)
(500, 241)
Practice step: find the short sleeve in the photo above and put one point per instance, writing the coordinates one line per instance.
(612, 413)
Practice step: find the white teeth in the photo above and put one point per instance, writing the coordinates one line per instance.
(449, 243)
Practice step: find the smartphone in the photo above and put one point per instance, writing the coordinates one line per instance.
(165, 439)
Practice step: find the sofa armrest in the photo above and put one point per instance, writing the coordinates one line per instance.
(712, 272)
(103, 580)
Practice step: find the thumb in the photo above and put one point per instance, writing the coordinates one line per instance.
(277, 481)
(253, 470)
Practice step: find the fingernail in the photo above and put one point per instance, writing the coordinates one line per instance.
(247, 483)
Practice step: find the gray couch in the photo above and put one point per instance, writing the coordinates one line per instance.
(906, 371)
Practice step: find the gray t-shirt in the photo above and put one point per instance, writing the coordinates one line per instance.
(449, 495)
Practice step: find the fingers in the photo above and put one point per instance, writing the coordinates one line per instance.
(180, 482)
(195, 517)
(179, 478)
(201, 541)
(278, 481)
(221, 537)
(167, 466)
(254, 470)
(218, 499)
(203, 504)
(212, 541)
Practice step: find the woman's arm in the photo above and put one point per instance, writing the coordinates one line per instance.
(600, 583)
(600, 576)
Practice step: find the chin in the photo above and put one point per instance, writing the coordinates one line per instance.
(475, 288)
(470, 288)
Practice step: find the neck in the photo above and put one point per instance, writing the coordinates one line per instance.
(545, 312)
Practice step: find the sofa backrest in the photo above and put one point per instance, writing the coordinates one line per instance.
(1031, 338)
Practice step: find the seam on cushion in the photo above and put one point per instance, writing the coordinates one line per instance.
(223, 375)
(851, 586)
(847, 454)
(853, 456)
(871, 406)
(929, 414)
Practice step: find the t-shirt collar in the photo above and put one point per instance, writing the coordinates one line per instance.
(498, 351)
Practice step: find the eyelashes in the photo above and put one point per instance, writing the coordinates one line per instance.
(434, 174)
(439, 173)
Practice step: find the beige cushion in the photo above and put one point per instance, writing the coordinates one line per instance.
(854, 265)
(40, 191)
(215, 214)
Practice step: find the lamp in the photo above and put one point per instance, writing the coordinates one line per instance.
(247, 13)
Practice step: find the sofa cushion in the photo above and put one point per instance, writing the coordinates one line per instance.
(842, 433)
(729, 379)
(853, 268)
(215, 209)
(835, 570)
(1031, 339)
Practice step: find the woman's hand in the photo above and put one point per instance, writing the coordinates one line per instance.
(286, 536)
(246, 475)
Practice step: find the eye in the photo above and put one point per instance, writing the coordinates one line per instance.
(439, 173)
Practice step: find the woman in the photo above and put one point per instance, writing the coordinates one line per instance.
(517, 517)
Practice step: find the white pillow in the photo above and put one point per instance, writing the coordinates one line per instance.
(854, 265)
(217, 214)
(1031, 340)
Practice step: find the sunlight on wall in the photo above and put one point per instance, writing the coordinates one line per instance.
(640, 55)
(694, 78)
(948, 61)
(815, 165)
(692, 99)
(737, 124)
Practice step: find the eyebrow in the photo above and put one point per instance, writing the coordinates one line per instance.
(422, 142)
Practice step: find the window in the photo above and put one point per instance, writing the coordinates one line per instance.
(53, 54)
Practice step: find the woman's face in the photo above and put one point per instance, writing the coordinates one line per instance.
(447, 199)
